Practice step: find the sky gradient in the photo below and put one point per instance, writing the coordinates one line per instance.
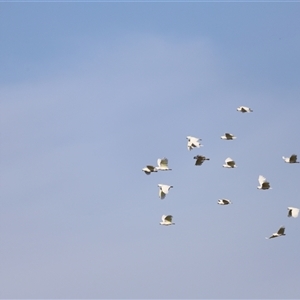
(93, 92)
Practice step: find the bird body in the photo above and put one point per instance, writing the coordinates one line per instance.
(228, 136)
(293, 212)
(193, 142)
(263, 183)
(280, 232)
(200, 159)
(244, 109)
(229, 163)
(167, 220)
(292, 159)
(163, 190)
(224, 201)
(149, 169)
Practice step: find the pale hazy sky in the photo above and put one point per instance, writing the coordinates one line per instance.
(91, 93)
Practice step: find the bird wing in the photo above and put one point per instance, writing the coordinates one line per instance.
(199, 160)
(163, 162)
(163, 217)
(265, 185)
(293, 158)
(290, 211)
(228, 135)
(281, 230)
(243, 109)
(261, 179)
(229, 162)
(169, 218)
(161, 194)
(151, 168)
(226, 201)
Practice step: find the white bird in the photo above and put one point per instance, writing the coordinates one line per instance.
(228, 136)
(293, 212)
(263, 183)
(292, 159)
(166, 220)
(224, 201)
(163, 164)
(229, 163)
(200, 159)
(163, 190)
(149, 169)
(280, 232)
(193, 142)
(244, 109)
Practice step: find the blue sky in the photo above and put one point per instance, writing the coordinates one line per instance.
(91, 93)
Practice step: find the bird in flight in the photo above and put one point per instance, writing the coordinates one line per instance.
(167, 220)
(193, 142)
(293, 212)
(200, 159)
(228, 136)
(244, 109)
(292, 159)
(229, 163)
(163, 190)
(263, 183)
(224, 201)
(280, 232)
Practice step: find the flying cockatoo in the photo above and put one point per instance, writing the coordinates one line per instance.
(149, 169)
(263, 183)
(200, 159)
(193, 142)
(292, 159)
(163, 164)
(280, 232)
(224, 201)
(166, 220)
(229, 163)
(228, 136)
(244, 109)
(163, 190)
(293, 212)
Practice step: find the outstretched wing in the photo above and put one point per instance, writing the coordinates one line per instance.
(293, 158)
(281, 230)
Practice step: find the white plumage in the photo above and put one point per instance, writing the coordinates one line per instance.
(244, 109)
(224, 201)
(167, 220)
(229, 163)
(291, 160)
(263, 183)
(163, 190)
(293, 212)
(280, 232)
(193, 142)
(162, 164)
(228, 136)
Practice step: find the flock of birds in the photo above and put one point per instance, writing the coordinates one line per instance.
(194, 142)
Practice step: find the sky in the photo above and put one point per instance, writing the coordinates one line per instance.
(93, 92)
